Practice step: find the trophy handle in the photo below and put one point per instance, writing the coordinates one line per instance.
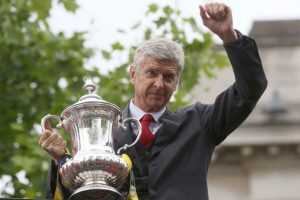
(139, 126)
(48, 117)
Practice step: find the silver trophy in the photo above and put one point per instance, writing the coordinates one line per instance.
(95, 170)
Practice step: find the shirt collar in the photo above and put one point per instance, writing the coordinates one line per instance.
(138, 113)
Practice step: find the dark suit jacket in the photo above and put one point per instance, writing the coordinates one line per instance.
(175, 166)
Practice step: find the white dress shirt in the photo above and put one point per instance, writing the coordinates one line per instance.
(138, 113)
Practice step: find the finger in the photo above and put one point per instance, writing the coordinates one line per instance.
(64, 143)
(58, 141)
(221, 10)
(220, 13)
(215, 11)
(57, 152)
(46, 143)
(52, 139)
(209, 9)
(203, 14)
(44, 136)
(61, 151)
(57, 147)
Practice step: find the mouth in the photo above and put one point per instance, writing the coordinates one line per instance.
(158, 95)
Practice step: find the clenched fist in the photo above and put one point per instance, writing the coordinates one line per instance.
(218, 18)
(53, 143)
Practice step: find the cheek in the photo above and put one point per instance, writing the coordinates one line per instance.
(142, 86)
(172, 88)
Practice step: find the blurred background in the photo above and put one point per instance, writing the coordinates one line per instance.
(47, 47)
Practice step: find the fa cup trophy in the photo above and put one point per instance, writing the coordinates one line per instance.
(95, 170)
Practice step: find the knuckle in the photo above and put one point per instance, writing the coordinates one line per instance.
(52, 149)
(44, 146)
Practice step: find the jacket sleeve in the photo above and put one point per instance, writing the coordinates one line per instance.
(51, 181)
(54, 188)
(233, 106)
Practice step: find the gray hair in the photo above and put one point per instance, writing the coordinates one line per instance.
(160, 49)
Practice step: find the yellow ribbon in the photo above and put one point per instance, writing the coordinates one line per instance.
(58, 194)
(132, 195)
(127, 160)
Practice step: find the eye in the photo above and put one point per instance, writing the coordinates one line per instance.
(170, 77)
(151, 72)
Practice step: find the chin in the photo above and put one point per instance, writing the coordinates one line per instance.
(156, 107)
(156, 104)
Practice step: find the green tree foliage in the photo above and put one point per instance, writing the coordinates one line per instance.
(41, 72)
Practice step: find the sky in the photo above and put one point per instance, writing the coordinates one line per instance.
(101, 19)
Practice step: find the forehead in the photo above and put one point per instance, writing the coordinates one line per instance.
(163, 64)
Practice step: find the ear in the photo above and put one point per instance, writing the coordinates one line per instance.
(132, 74)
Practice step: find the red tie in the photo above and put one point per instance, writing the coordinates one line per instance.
(147, 135)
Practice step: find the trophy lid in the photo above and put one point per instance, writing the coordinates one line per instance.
(90, 88)
(91, 99)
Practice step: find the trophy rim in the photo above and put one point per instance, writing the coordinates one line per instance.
(81, 192)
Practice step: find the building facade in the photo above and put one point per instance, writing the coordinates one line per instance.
(261, 159)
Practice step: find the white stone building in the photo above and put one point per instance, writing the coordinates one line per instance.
(261, 159)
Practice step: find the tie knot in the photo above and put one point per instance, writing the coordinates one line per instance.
(147, 118)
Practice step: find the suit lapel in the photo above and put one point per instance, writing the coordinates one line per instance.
(170, 124)
(128, 137)
(124, 136)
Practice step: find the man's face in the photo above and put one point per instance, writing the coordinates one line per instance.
(154, 83)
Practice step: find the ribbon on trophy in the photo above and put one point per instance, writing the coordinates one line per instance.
(132, 194)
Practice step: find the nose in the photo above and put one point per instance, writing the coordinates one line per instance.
(158, 82)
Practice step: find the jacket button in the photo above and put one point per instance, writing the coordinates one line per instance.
(153, 164)
(152, 192)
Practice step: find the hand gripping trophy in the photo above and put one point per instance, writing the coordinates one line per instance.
(95, 170)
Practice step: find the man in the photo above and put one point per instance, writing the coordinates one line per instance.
(174, 165)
